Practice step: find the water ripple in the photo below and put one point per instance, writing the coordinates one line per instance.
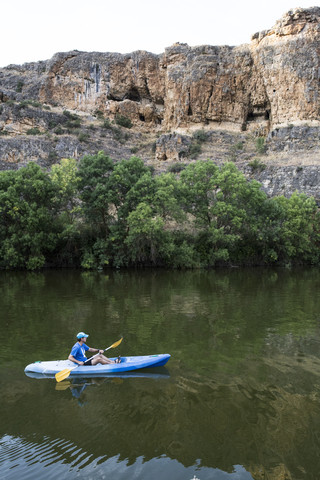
(16, 454)
(30, 457)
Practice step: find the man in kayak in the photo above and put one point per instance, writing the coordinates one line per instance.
(77, 354)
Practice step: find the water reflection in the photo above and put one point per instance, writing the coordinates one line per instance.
(78, 385)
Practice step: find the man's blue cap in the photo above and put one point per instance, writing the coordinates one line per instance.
(82, 334)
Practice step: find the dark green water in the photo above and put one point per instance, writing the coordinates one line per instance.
(238, 400)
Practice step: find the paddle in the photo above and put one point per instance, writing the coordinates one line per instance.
(66, 372)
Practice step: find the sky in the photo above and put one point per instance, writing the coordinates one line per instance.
(32, 30)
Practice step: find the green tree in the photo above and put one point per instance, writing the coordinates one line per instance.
(65, 179)
(28, 226)
(96, 206)
(166, 199)
(198, 190)
(95, 191)
(131, 184)
(147, 240)
(124, 178)
(239, 212)
(224, 207)
(298, 222)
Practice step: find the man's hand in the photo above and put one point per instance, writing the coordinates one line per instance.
(101, 351)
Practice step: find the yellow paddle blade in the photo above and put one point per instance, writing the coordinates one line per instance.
(63, 374)
(116, 343)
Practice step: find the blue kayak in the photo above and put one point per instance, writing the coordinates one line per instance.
(127, 364)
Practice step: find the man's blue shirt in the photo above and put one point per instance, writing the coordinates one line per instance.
(78, 351)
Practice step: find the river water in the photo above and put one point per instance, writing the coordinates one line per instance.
(238, 400)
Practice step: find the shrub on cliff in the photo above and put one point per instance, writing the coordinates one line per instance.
(260, 145)
(256, 165)
(107, 124)
(19, 86)
(199, 136)
(83, 137)
(123, 121)
(194, 150)
(33, 131)
(176, 167)
(70, 116)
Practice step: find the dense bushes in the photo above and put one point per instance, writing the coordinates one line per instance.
(102, 213)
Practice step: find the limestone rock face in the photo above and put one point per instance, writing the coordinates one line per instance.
(173, 147)
(131, 85)
(273, 80)
(206, 85)
(287, 58)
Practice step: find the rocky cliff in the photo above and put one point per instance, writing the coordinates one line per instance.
(78, 102)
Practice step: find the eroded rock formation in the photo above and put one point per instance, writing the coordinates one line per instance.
(269, 88)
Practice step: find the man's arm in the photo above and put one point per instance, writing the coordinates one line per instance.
(95, 350)
(72, 359)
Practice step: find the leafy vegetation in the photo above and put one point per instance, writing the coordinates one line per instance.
(32, 103)
(176, 167)
(28, 227)
(117, 132)
(107, 124)
(123, 121)
(194, 150)
(58, 130)
(198, 138)
(70, 116)
(52, 156)
(98, 114)
(19, 86)
(256, 165)
(260, 145)
(83, 137)
(98, 213)
(33, 131)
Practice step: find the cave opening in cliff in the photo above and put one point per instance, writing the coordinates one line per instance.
(142, 118)
(133, 94)
(258, 114)
(250, 116)
(114, 98)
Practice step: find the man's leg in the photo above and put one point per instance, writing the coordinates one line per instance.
(101, 359)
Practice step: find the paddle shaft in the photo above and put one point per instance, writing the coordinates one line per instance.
(97, 354)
